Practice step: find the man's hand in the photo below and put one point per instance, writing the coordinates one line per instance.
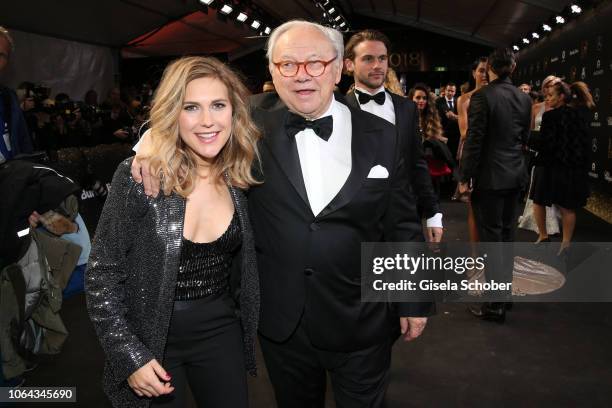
(145, 381)
(412, 327)
(53, 222)
(141, 174)
(121, 134)
(141, 170)
(434, 234)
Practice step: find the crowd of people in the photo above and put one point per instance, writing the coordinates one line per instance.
(243, 216)
(62, 121)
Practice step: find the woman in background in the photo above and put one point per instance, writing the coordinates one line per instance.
(478, 79)
(551, 213)
(562, 164)
(393, 84)
(438, 156)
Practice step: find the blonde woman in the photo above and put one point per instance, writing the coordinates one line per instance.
(392, 83)
(169, 276)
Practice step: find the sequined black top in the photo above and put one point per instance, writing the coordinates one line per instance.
(204, 268)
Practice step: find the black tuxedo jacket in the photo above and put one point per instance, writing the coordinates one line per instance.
(310, 266)
(442, 106)
(406, 123)
(499, 120)
(451, 127)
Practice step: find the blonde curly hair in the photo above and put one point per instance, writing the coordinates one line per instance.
(170, 158)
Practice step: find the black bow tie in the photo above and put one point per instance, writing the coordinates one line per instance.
(364, 98)
(322, 127)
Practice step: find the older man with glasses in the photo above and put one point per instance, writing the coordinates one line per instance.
(334, 178)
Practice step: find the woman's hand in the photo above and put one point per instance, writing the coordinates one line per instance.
(146, 380)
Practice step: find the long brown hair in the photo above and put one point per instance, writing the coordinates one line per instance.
(581, 96)
(429, 118)
(170, 158)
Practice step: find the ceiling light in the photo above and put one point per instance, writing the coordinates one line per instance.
(332, 10)
(525, 40)
(535, 35)
(226, 9)
(546, 27)
(337, 18)
(255, 24)
(267, 30)
(576, 9)
(343, 24)
(207, 2)
(560, 20)
(515, 48)
(242, 17)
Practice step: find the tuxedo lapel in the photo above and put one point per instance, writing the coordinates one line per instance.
(351, 100)
(364, 147)
(401, 116)
(284, 149)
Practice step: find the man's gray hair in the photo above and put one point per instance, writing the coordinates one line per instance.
(5, 33)
(334, 36)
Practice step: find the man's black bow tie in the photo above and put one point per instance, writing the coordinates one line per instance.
(322, 127)
(364, 98)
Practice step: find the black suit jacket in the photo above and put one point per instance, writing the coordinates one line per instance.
(406, 123)
(310, 266)
(499, 119)
(451, 127)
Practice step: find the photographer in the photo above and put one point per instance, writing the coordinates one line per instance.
(66, 126)
(117, 126)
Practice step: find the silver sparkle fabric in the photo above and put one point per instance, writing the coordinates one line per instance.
(131, 280)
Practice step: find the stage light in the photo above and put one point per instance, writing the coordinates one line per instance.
(546, 27)
(342, 25)
(525, 40)
(560, 20)
(207, 2)
(576, 9)
(267, 30)
(255, 24)
(337, 18)
(242, 17)
(535, 35)
(332, 10)
(227, 9)
(515, 47)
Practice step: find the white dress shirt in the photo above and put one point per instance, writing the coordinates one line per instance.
(387, 112)
(326, 165)
(450, 103)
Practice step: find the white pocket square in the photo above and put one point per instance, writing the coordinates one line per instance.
(378, 172)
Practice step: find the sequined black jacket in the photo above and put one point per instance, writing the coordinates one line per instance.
(131, 280)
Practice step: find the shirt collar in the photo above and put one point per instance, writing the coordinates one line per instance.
(330, 111)
(381, 89)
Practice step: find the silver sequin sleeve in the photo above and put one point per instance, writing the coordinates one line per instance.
(107, 273)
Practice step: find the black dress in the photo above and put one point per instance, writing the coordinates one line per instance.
(562, 164)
